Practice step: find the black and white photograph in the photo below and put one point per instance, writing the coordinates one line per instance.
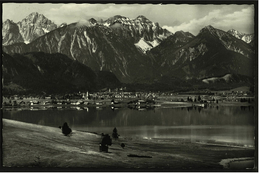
(129, 87)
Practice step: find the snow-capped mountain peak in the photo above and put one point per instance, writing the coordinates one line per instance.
(146, 34)
(30, 28)
(116, 19)
(245, 37)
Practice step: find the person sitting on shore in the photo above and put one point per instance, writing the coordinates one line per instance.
(65, 129)
(115, 135)
(106, 141)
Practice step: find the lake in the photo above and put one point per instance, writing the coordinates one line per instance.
(228, 125)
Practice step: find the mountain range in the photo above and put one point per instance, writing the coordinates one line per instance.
(44, 73)
(212, 52)
(136, 51)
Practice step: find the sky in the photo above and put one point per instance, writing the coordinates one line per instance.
(173, 17)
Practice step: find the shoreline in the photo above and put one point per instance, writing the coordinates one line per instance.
(159, 104)
(30, 145)
(227, 162)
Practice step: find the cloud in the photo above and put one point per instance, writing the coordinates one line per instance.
(223, 18)
(83, 22)
(75, 12)
(164, 14)
(116, 25)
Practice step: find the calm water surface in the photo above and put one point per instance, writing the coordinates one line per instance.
(225, 124)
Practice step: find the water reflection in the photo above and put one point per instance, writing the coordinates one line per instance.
(223, 124)
(243, 108)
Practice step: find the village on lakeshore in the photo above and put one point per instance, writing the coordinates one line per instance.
(120, 97)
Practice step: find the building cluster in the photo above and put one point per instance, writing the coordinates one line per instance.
(99, 98)
(75, 98)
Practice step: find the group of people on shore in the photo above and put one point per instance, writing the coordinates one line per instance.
(105, 142)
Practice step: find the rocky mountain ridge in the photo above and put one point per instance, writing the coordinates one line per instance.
(139, 29)
(34, 26)
(248, 38)
(212, 52)
(228, 41)
(145, 33)
(30, 28)
(10, 33)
